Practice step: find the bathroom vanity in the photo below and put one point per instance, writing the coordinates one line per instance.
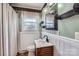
(43, 48)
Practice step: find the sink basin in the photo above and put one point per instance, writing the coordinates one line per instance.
(42, 43)
(41, 40)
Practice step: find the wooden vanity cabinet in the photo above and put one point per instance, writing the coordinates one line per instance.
(44, 51)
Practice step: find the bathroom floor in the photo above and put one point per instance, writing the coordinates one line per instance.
(22, 53)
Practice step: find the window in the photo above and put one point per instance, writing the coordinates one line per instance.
(30, 24)
(49, 24)
(29, 21)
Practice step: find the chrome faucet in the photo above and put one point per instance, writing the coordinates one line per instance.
(46, 38)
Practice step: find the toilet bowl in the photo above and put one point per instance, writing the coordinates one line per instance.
(31, 50)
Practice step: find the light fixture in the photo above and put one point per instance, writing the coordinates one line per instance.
(45, 10)
(60, 5)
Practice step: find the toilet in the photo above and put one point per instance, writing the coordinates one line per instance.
(31, 50)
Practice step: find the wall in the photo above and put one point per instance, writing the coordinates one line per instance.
(64, 7)
(27, 39)
(52, 31)
(63, 46)
(67, 27)
(13, 31)
(77, 35)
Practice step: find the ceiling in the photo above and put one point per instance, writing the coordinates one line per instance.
(37, 6)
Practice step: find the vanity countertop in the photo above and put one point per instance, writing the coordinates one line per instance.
(41, 43)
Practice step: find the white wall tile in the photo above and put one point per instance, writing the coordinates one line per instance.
(65, 46)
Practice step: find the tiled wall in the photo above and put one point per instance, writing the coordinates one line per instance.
(27, 39)
(64, 46)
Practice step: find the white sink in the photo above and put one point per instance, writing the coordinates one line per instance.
(42, 43)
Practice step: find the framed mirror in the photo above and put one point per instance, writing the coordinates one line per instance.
(51, 20)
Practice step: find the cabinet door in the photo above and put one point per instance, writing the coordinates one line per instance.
(45, 51)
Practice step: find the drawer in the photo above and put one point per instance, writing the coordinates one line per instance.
(48, 51)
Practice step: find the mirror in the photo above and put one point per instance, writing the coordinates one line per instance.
(50, 17)
(49, 22)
